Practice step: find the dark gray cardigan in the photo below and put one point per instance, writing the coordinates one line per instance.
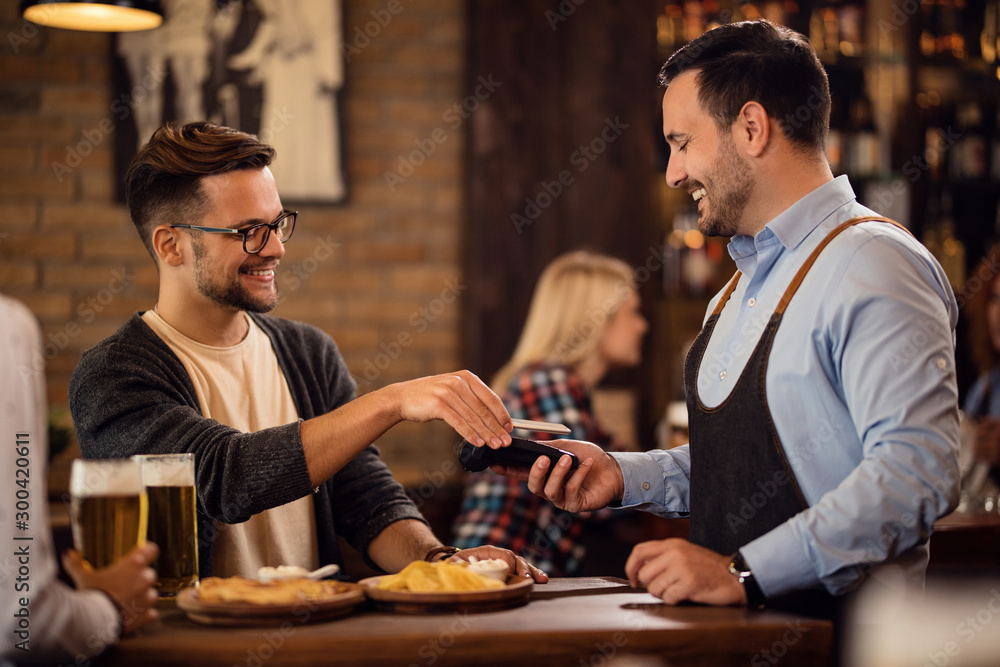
(130, 394)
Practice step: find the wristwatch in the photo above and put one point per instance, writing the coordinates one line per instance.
(739, 569)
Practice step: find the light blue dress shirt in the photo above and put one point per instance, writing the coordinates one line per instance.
(862, 390)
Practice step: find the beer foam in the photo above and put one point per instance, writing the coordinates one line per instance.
(105, 477)
(167, 470)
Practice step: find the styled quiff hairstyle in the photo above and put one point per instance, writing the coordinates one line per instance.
(163, 182)
(757, 61)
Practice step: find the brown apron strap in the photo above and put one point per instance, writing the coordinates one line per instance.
(725, 295)
(804, 269)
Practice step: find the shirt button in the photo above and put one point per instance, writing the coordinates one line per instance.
(751, 302)
(941, 363)
(645, 486)
(722, 375)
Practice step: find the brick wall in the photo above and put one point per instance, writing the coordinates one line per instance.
(379, 274)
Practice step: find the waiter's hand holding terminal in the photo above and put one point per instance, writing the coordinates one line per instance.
(595, 484)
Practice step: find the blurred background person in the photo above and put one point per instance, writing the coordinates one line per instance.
(982, 403)
(43, 619)
(584, 320)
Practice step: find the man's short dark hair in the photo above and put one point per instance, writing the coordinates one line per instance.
(757, 61)
(163, 182)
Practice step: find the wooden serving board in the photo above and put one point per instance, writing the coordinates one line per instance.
(514, 594)
(246, 613)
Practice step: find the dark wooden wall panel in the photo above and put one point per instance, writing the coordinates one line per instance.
(562, 82)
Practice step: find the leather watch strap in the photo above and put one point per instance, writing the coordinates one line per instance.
(739, 569)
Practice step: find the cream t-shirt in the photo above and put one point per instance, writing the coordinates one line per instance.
(243, 387)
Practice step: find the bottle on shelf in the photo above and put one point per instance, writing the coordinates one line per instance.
(968, 155)
(931, 235)
(835, 137)
(670, 26)
(939, 238)
(995, 165)
(824, 34)
(989, 38)
(862, 140)
(941, 34)
(689, 259)
(694, 20)
(936, 134)
(851, 16)
(928, 31)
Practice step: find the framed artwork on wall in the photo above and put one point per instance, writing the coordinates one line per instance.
(273, 68)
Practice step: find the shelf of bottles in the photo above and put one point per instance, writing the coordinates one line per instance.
(915, 119)
(956, 95)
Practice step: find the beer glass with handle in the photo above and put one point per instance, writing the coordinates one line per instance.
(169, 482)
(107, 508)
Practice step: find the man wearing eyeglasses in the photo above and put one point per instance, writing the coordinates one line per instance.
(282, 446)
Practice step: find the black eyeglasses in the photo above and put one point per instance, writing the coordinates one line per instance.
(255, 237)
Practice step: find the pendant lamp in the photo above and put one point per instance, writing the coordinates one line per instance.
(106, 16)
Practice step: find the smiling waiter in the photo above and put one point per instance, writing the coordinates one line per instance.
(822, 396)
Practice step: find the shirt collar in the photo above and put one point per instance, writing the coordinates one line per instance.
(796, 222)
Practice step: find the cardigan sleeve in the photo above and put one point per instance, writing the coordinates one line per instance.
(363, 496)
(131, 395)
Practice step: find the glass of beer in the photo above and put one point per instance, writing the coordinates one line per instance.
(173, 524)
(107, 508)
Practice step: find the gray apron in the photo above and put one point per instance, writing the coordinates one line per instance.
(741, 483)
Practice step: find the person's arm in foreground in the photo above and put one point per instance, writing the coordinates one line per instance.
(42, 617)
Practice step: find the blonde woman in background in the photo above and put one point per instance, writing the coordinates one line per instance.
(584, 320)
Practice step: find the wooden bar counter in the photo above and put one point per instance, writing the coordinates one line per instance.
(584, 621)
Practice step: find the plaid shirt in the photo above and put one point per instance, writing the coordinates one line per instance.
(503, 512)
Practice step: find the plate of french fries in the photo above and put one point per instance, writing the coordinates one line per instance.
(444, 586)
(240, 601)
